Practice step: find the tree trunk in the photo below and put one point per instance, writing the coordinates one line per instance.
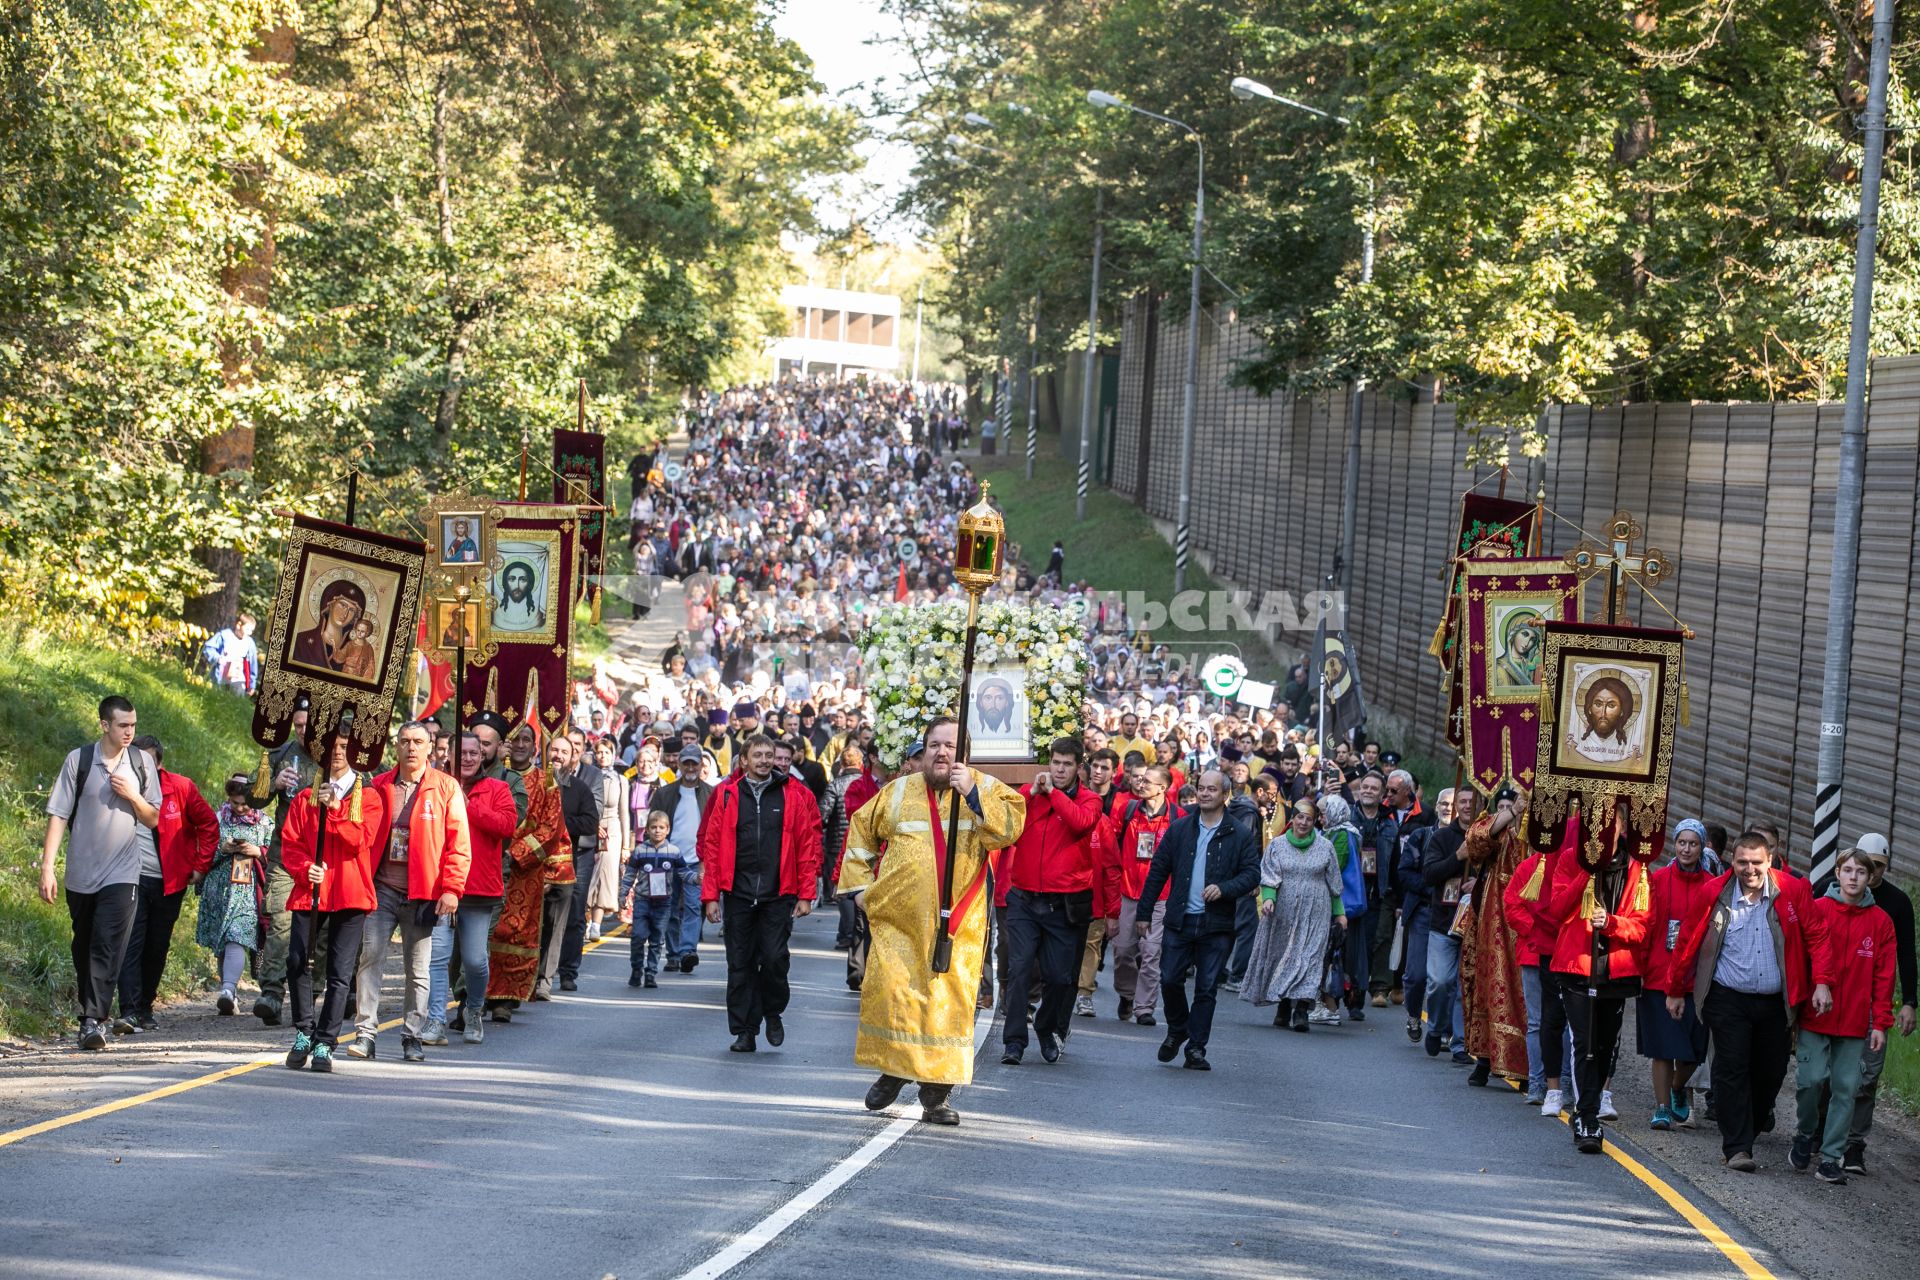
(248, 280)
(444, 414)
(465, 317)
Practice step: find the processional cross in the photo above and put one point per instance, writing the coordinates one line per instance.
(1618, 559)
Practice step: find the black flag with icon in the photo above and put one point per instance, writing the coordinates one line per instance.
(1335, 676)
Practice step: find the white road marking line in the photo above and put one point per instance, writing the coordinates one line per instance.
(769, 1228)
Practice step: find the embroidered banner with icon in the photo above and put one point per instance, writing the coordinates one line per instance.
(580, 479)
(525, 621)
(1505, 606)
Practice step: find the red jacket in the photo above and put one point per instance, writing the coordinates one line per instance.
(1055, 851)
(1128, 852)
(1861, 949)
(1805, 963)
(491, 822)
(862, 789)
(440, 848)
(188, 832)
(799, 840)
(1625, 930)
(353, 850)
(1677, 898)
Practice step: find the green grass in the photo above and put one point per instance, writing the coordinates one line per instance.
(1115, 549)
(53, 686)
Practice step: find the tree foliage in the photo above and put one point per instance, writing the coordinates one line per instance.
(466, 206)
(1573, 200)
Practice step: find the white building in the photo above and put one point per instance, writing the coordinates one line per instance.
(841, 330)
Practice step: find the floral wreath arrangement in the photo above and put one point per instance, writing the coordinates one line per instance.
(910, 661)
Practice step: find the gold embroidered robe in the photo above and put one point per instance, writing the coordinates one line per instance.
(914, 1023)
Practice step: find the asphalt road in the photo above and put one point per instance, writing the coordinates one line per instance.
(609, 1133)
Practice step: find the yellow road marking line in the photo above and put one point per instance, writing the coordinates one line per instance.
(1737, 1254)
(154, 1095)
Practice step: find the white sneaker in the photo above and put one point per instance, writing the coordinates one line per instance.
(1083, 1007)
(1554, 1102)
(593, 931)
(1323, 1017)
(1606, 1105)
(476, 1031)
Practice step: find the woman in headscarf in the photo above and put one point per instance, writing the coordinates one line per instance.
(1347, 961)
(1675, 1046)
(1300, 910)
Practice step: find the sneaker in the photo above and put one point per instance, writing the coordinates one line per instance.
(126, 1025)
(1855, 1161)
(1800, 1154)
(301, 1050)
(635, 978)
(1831, 1172)
(1461, 1058)
(1083, 1007)
(1536, 1096)
(1321, 1016)
(542, 993)
(1379, 1000)
(1357, 1015)
(1553, 1103)
(1681, 1108)
(1413, 1030)
(322, 1059)
(1145, 1019)
(363, 1046)
(1607, 1111)
(225, 1004)
(475, 1031)
(593, 931)
(1662, 1119)
(1197, 1060)
(146, 1020)
(267, 1009)
(412, 1051)
(1231, 987)
(1587, 1139)
(92, 1036)
(435, 1032)
(569, 984)
(1126, 1009)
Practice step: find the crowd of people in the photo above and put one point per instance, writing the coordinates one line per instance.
(1186, 850)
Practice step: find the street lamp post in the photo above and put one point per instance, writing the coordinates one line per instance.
(1182, 527)
(1087, 393)
(1246, 90)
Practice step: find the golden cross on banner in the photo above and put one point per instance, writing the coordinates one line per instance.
(1619, 560)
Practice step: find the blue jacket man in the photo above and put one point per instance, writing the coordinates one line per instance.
(1210, 862)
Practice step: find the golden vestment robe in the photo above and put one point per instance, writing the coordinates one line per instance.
(914, 1023)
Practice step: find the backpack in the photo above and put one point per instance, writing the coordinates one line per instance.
(1173, 813)
(84, 766)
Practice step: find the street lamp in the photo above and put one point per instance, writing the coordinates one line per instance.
(1247, 90)
(1182, 527)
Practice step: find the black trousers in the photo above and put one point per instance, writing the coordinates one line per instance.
(758, 958)
(1603, 1015)
(574, 941)
(1041, 941)
(1553, 1024)
(1750, 1044)
(102, 924)
(155, 913)
(343, 931)
(1204, 955)
(1246, 923)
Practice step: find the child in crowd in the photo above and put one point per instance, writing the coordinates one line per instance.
(647, 895)
(231, 893)
(1860, 943)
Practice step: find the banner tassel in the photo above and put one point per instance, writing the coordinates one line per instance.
(263, 778)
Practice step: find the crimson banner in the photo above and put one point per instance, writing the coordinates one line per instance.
(580, 477)
(526, 616)
(1504, 608)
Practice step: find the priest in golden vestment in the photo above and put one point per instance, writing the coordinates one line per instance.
(916, 1026)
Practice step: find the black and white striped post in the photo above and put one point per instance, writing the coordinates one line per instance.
(1089, 392)
(1033, 384)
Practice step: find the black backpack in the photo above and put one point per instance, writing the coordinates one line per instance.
(85, 766)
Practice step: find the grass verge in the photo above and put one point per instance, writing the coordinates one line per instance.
(54, 685)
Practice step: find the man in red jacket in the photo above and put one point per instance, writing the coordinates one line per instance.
(760, 846)
(425, 853)
(492, 818)
(1756, 952)
(1049, 879)
(1139, 823)
(184, 841)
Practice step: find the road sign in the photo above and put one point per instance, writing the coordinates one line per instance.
(909, 550)
(1223, 674)
(673, 471)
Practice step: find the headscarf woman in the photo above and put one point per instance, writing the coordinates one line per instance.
(1675, 1046)
(1300, 903)
(1348, 962)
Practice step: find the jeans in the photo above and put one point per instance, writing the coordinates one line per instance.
(1600, 1018)
(1828, 1062)
(416, 941)
(1750, 1043)
(345, 931)
(758, 934)
(1536, 1066)
(467, 933)
(685, 923)
(1355, 953)
(1040, 941)
(555, 906)
(650, 932)
(1414, 960)
(1246, 923)
(1444, 1014)
(1136, 960)
(272, 969)
(152, 935)
(1205, 956)
(102, 924)
(575, 939)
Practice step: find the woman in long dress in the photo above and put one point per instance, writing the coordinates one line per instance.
(1299, 901)
(603, 893)
(230, 894)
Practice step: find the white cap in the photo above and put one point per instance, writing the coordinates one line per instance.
(1875, 846)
